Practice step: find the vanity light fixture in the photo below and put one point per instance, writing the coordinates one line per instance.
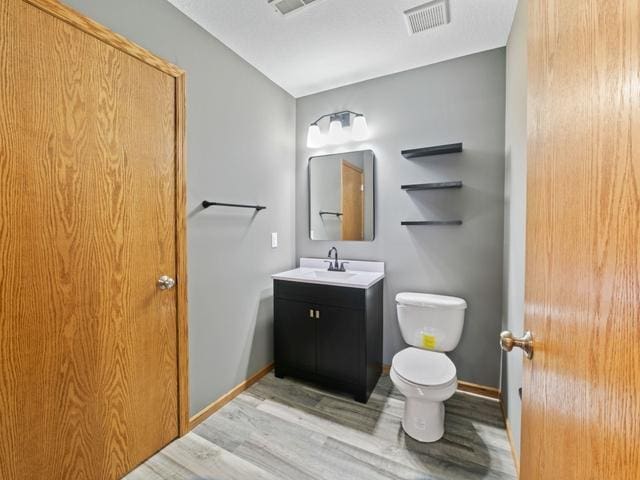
(338, 133)
(315, 138)
(360, 130)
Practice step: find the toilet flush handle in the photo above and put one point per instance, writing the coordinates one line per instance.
(508, 341)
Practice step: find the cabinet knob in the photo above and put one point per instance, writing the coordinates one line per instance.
(311, 313)
(317, 313)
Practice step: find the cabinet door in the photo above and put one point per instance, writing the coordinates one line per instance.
(339, 343)
(295, 336)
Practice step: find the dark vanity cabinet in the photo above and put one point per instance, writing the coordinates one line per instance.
(330, 335)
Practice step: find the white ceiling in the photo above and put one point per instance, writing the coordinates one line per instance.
(337, 42)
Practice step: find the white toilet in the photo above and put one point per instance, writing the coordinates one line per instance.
(424, 375)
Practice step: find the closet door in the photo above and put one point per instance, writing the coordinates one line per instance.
(88, 340)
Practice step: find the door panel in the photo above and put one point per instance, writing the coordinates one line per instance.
(88, 362)
(339, 336)
(295, 335)
(581, 406)
(352, 198)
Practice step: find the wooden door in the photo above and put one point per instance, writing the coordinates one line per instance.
(90, 218)
(339, 334)
(295, 335)
(352, 199)
(581, 390)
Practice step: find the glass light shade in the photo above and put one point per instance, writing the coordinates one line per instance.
(360, 130)
(314, 137)
(336, 134)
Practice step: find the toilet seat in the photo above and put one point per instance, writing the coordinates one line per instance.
(424, 368)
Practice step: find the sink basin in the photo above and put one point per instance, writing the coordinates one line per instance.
(361, 274)
(333, 275)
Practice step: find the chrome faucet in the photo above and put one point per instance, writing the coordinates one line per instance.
(335, 266)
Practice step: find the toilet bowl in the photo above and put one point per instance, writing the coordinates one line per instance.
(426, 379)
(432, 324)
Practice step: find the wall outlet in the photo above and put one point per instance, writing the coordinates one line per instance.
(274, 240)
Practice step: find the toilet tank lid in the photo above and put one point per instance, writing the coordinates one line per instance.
(430, 300)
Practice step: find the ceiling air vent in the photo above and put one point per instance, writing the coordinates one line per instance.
(427, 16)
(287, 6)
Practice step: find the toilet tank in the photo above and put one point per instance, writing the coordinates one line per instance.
(432, 322)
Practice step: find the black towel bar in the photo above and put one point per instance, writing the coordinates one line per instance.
(207, 204)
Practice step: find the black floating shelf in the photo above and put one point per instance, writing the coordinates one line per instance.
(431, 186)
(433, 222)
(435, 150)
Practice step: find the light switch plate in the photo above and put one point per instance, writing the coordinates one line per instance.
(274, 240)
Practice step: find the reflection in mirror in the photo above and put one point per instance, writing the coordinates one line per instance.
(341, 197)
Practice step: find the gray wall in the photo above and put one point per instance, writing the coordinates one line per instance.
(458, 100)
(515, 211)
(240, 148)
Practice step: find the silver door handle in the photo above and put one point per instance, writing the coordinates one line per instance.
(166, 283)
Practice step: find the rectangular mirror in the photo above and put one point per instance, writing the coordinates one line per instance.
(341, 197)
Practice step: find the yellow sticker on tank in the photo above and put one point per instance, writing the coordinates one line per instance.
(428, 341)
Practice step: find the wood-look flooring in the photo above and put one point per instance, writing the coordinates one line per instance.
(286, 429)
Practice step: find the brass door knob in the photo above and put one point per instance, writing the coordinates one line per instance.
(508, 341)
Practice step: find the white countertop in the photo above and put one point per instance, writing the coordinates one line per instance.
(359, 274)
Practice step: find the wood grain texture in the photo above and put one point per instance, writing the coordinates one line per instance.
(477, 389)
(352, 201)
(70, 16)
(213, 407)
(88, 344)
(291, 430)
(581, 406)
(195, 458)
(181, 255)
